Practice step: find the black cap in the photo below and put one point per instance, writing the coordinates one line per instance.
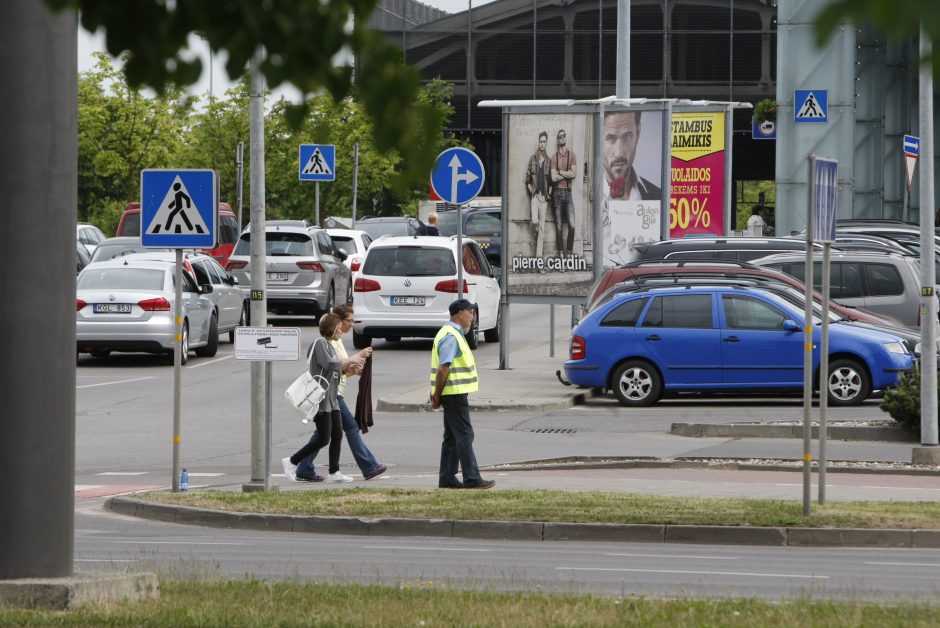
(459, 305)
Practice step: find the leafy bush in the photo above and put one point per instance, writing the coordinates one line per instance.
(903, 402)
(765, 110)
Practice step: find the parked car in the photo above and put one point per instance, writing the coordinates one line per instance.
(125, 305)
(483, 224)
(377, 226)
(228, 229)
(81, 256)
(407, 283)
(305, 270)
(89, 235)
(657, 341)
(354, 243)
(638, 274)
(704, 248)
(884, 283)
(230, 306)
(109, 248)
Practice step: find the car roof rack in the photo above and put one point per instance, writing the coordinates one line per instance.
(651, 263)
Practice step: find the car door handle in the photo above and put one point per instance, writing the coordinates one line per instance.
(732, 339)
(653, 338)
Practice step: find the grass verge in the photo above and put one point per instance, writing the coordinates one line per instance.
(253, 603)
(561, 506)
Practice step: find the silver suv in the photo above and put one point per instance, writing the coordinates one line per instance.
(305, 270)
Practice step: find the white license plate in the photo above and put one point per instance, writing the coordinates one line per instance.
(277, 276)
(112, 308)
(408, 300)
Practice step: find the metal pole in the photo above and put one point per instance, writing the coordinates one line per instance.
(928, 278)
(259, 303)
(824, 377)
(459, 246)
(267, 426)
(177, 367)
(623, 49)
(808, 343)
(355, 182)
(318, 202)
(239, 174)
(551, 330)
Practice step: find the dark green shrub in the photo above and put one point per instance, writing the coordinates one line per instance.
(903, 402)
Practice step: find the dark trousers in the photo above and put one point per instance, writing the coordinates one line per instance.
(564, 215)
(457, 448)
(329, 432)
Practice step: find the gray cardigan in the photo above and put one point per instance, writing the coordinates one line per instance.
(322, 360)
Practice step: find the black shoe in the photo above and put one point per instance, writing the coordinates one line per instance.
(480, 484)
(454, 484)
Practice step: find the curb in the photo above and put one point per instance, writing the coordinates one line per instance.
(568, 401)
(764, 430)
(531, 530)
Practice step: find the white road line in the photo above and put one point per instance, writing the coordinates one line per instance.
(85, 487)
(123, 473)
(176, 543)
(202, 364)
(424, 549)
(890, 488)
(675, 556)
(120, 381)
(696, 573)
(906, 564)
(205, 475)
(105, 560)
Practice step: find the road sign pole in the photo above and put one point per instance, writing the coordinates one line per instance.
(177, 367)
(318, 202)
(808, 343)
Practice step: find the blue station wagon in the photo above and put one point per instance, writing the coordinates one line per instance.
(647, 343)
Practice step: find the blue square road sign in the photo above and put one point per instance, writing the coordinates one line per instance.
(179, 208)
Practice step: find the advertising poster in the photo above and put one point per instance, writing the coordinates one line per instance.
(632, 206)
(698, 174)
(547, 189)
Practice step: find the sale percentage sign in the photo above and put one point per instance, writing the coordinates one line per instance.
(702, 217)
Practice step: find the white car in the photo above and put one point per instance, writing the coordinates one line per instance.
(354, 243)
(406, 284)
(90, 236)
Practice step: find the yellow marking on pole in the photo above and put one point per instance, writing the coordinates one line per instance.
(807, 457)
(808, 329)
(808, 346)
(176, 438)
(179, 321)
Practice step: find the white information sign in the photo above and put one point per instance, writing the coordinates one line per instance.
(267, 343)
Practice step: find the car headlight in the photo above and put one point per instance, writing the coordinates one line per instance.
(894, 347)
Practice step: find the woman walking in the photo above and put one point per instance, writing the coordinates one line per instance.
(323, 361)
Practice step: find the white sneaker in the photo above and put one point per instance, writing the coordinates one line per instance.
(338, 477)
(290, 470)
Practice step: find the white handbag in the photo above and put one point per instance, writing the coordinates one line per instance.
(306, 392)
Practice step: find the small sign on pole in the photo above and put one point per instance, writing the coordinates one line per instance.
(826, 199)
(911, 145)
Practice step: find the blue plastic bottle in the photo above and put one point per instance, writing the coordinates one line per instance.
(184, 481)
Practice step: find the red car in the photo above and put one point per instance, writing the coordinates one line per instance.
(713, 269)
(228, 230)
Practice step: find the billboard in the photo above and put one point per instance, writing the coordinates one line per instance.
(547, 194)
(697, 201)
(631, 142)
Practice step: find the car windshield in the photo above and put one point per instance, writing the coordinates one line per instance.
(106, 251)
(378, 228)
(228, 229)
(278, 244)
(447, 223)
(121, 278)
(410, 261)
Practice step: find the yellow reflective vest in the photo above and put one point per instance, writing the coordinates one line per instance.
(463, 371)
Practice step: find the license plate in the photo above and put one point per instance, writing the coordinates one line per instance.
(277, 276)
(408, 300)
(112, 308)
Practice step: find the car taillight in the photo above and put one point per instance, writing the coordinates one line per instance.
(366, 285)
(577, 348)
(235, 264)
(155, 305)
(79, 304)
(450, 285)
(356, 264)
(317, 266)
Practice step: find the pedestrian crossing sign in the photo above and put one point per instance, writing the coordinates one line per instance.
(317, 162)
(178, 208)
(811, 105)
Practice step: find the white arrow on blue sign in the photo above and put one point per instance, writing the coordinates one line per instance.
(911, 145)
(179, 209)
(457, 176)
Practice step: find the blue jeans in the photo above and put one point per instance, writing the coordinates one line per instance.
(364, 458)
(457, 447)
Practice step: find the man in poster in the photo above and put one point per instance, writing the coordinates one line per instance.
(621, 134)
(564, 170)
(538, 182)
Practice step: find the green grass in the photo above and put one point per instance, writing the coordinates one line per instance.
(252, 603)
(562, 506)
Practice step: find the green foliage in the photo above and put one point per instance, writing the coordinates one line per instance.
(765, 110)
(748, 194)
(903, 402)
(310, 45)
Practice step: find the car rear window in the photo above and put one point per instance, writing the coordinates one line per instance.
(625, 314)
(447, 223)
(121, 279)
(395, 228)
(228, 229)
(278, 244)
(410, 261)
(131, 224)
(344, 244)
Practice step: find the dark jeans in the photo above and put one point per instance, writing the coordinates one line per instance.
(457, 447)
(364, 458)
(564, 214)
(329, 432)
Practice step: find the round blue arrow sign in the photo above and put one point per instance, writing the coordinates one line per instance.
(457, 176)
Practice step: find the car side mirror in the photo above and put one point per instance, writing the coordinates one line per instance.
(340, 254)
(790, 325)
(205, 288)
(231, 280)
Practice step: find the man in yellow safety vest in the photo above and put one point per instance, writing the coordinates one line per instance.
(453, 376)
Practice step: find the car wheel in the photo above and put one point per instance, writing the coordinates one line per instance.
(848, 383)
(492, 335)
(242, 322)
(101, 353)
(184, 354)
(473, 335)
(361, 341)
(636, 383)
(212, 347)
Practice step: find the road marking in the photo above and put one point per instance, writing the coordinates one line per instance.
(875, 486)
(906, 564)
(202, 364)
(105, 560)
(675, 556)
(177, 543)
(696, 573)
(120, 381)
(123, 473)
(427, 549)
(205, 475)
